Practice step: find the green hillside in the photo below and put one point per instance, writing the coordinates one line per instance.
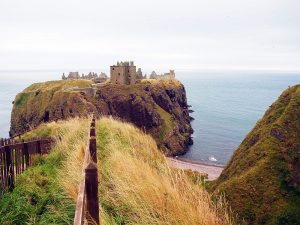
(262, 179)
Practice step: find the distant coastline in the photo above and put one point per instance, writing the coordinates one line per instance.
(224, 113)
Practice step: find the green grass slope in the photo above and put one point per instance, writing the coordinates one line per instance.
(262, 179)
(39, 197)
(32, 104)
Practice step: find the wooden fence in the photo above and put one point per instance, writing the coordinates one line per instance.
(87, 206)
(16, 156)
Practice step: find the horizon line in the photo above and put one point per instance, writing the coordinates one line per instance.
(278, 70)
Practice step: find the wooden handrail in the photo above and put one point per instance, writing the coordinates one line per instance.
(87, 205)
(91, 191)
(80, 205)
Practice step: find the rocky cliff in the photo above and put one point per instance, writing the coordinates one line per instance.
(158, 107)
(262, 179)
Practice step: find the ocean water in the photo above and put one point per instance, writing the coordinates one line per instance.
(13, 82)
(226, 105)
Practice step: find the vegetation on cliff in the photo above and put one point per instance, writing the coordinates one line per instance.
(136, 184)
(39, 197)
(262, 179)
(159, 108)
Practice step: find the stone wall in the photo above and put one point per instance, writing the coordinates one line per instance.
(120, 74)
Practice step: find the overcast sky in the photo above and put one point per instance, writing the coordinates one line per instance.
(157, 34)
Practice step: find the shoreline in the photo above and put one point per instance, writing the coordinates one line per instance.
(179, 158)
(212, 170)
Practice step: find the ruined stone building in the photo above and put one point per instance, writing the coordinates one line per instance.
(101, 78)
(71, 76)
(123, 73)
(165, 76)
(153, 75)
(90, 76)
(139, 74)
(103, 75)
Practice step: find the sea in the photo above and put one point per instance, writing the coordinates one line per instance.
(226, 105)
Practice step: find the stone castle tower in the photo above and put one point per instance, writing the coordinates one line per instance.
(123, 73)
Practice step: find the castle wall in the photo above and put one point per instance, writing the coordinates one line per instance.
(123, 74)
(117, 75)
(132, 74)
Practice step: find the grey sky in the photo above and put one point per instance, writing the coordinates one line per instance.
(157, 34)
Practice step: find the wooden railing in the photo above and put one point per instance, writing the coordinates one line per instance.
(87, 206)
(16, 156)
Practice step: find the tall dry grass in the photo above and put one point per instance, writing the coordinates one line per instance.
(73, 145)
(71, 141)
(136, 184)
(138, 187)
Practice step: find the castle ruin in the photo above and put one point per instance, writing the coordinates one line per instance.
(165, 76)
(139, 74)
(123, 73)
(90, 76)
(71, 76)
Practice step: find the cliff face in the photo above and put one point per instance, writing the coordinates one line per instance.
(262, 179)
(158, 107)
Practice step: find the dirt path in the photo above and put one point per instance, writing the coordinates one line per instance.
(213, 171)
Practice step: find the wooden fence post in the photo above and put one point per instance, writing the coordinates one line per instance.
(26, 153)
(92, 198)
(92, 132)
(9, 168)
(1, 142)
(38, 147)
(93, 149)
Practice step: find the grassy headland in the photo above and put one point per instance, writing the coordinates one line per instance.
(158, 107)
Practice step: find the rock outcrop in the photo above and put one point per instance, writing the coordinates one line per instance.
(262, 180)
(158, 107)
